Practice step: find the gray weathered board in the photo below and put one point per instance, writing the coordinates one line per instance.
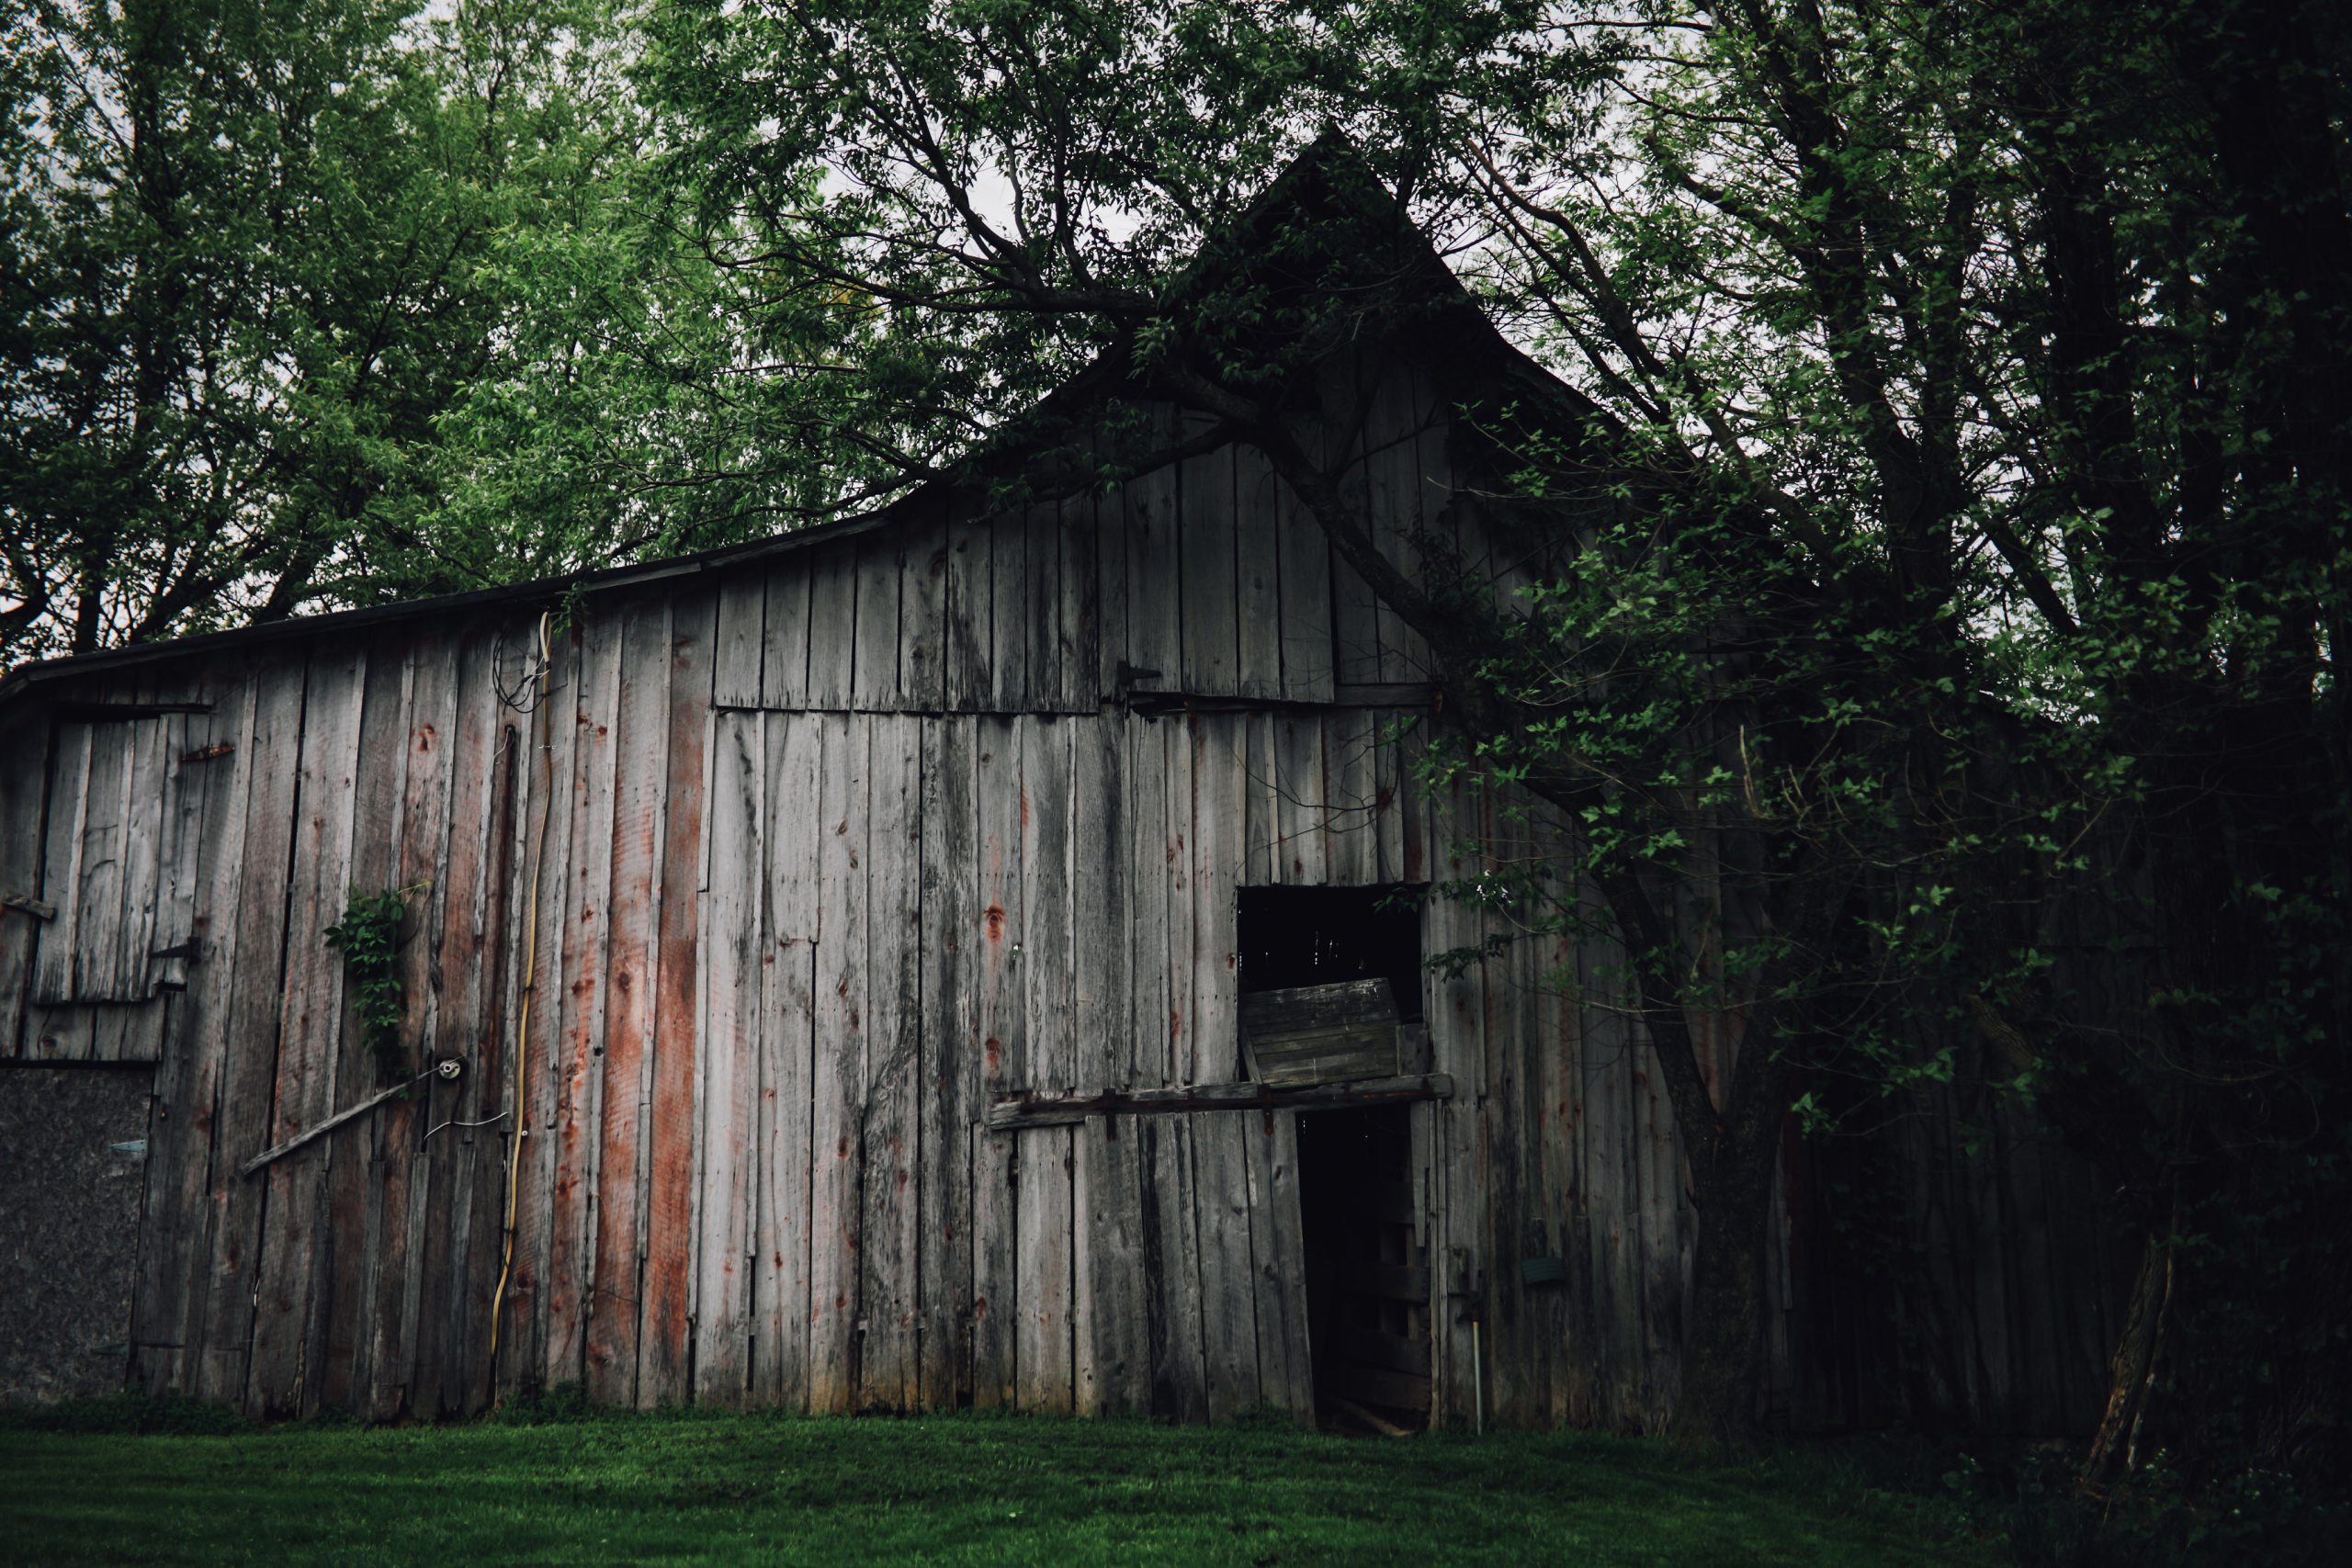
(1320, 1034)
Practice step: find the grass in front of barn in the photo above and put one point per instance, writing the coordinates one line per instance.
(716, 1489)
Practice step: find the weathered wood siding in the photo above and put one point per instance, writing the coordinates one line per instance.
(800, 865)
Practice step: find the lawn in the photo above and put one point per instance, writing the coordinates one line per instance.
(711, 1489)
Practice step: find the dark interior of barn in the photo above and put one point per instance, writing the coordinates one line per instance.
(1367, 1283)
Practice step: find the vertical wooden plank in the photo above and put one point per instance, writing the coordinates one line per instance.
(1229, 1306)
(238, 996)
(1228, 1287)
(1171, 1273)
(1260, 824)
(788, 1012)
(1112, 1358)
(1211, 636)
(743, 637)
(1390, 818)
(1154, 531)
(834, 1205)
(1110, 642)
(1350, 796)
(1304, 568)
(98, 955)
(1044, 1350)
(1043, 628)
(1143, 861)
(953, 932)
(1002, 1023)
(284, 1378)
(923, 618)
(1183, 1025)
(1299, 858)
(1102, 897)
(180, 852)
(1285, 1366)
(889, 1130)
(735, 963)
(783, 646)
(970, 682)
(874, 677)
(1355, 611)
(1111, 1331)
(61, 865)
(154, 750)
(1416, 808)
(667, 1293)
(640, 785)
(1394, 483)
(1219, 752)
(832, 624)
(1011, 631)
(1079, 651)
(733, 950)
(1258, 619)
(583, 993)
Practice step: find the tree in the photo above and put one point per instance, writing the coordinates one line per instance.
(317, 305)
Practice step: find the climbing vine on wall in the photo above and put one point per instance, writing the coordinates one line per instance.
(369, 937)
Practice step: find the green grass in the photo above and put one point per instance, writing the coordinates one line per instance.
(697, 1489)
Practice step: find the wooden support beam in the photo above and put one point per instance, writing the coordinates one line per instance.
(280, 1151)
(1066, 1109)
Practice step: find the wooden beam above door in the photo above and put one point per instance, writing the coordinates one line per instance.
(1052, 1109)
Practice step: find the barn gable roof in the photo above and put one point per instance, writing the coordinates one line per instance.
(1390, 278)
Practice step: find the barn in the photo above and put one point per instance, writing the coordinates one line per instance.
(974, 955)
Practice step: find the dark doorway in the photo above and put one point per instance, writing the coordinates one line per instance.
(1319, 936)
(1367, 1279)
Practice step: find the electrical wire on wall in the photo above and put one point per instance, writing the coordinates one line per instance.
(530, 983)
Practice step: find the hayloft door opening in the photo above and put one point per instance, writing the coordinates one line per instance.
(1331, 993)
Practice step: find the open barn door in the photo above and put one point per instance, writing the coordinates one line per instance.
(1331, 995)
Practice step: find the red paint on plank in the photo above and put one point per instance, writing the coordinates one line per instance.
(669, 1219)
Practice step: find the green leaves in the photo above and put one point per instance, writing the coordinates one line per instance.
(369, 937)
